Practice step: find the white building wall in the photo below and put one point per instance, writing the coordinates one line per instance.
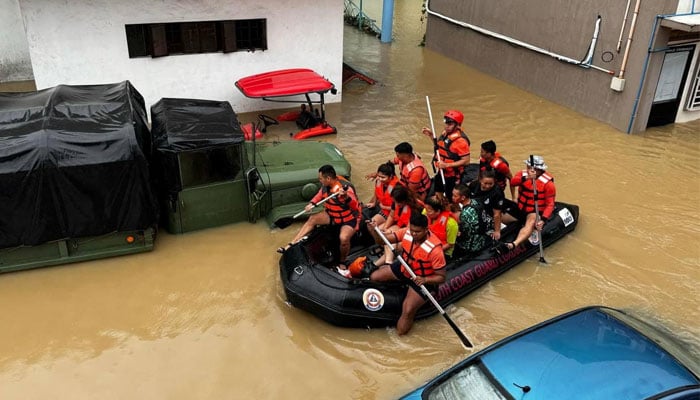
(15, 64)
(84, 42)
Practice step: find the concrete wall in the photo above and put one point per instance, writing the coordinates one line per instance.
(15, 64)
(565, 28)
(84, 42)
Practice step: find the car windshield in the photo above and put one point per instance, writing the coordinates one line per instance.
(470, 383)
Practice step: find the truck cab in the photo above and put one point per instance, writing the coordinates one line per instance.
(208, 175)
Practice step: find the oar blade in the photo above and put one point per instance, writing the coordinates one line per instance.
(284, 222)
(467, 344)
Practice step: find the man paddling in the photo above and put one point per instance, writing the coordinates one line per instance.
(422, 251)
(343, 210)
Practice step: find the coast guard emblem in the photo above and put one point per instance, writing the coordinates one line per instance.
(373, 299)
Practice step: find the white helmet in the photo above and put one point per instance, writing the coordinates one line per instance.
(538, 163)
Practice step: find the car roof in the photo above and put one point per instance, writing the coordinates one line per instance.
(587, 353)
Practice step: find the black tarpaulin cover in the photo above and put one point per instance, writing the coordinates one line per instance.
(181, 125)
(189, 126)
(73, 163)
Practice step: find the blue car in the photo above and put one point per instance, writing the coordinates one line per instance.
(590, 353)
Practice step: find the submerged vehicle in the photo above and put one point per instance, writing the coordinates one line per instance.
(74, 175)
(590, 353)
(307, 270)
(208, 175)
(286, 86)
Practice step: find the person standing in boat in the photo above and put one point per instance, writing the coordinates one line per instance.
(441, 222)
(379, 207)
(525, 212)
(491, 197)
(472, 238)
(490, 158)
(413, 173)
(453, 147)
(342, 210)
(422, 251)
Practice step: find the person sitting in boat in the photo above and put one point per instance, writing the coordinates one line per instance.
(472, 238)
(405, 203)
(441, 222)
(413, 173)
(422, 251)
(343, 210)
(490, 158)
(379, 207)
(453, 147)
(491, 197)
(541, 196)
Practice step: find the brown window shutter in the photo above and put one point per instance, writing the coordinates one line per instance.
(159, 45)
(207, 37)
(229, 34)
(190, 38)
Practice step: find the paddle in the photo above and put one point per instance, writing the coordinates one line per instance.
(437, 153)
(286, 221)
(537, 212)
(462, 336)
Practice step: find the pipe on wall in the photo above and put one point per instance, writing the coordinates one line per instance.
(624, 22)
(633, 24)
(516, 42)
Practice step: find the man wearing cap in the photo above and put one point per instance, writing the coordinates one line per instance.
(453, 148)
(546, 193)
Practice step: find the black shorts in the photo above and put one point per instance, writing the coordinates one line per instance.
(354, 223)
(396, 269)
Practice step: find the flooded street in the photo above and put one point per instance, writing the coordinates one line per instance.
(204, 316)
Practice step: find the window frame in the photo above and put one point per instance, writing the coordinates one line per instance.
(195, 37)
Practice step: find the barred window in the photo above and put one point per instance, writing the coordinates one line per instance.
(159, 40)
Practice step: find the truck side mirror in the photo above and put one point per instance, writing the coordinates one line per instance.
(252, 177)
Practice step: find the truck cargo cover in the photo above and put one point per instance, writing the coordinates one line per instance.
(73, 163)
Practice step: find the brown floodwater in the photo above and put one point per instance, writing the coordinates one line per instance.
(204, 315)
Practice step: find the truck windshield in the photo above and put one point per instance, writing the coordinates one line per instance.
(211, 165)
(470, 383)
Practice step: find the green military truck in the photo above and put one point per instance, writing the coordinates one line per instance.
(207, 174)
(83, 178)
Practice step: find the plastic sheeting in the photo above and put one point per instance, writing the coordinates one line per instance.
(188, 132)
(73, 163)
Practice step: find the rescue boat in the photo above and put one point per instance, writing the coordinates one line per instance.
(311, 283)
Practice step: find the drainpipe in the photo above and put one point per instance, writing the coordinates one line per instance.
(513, 41)
(387, 20)
(589, 57)
(621, 75)
(650, 51)
(624, 22)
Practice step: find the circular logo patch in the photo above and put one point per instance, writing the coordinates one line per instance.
(373, 299)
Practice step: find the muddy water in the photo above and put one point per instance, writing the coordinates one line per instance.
(204, 315)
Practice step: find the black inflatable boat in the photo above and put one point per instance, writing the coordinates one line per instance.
(311, 282)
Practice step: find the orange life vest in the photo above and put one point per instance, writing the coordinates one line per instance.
(383, 193)
(438, 226)
(497, 165)
(406, 169)
(402, 215)
(526, 194)
(418, 257)
(341, 211)
(444, 145)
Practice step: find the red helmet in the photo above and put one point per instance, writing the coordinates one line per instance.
(455, 115)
